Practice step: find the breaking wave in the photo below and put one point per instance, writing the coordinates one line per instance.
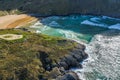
(87, 22)
(104, 58)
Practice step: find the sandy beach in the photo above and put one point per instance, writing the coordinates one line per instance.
(13, 21)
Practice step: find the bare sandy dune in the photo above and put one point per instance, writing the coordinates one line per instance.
(13, 21)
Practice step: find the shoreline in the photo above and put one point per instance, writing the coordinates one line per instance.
(21, 20)
(44, 16)
(15, 21)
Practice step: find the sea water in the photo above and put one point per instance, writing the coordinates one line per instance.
(77, 27)
(104, 52)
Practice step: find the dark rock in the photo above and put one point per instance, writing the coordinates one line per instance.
(81, 47)
(68, 76)
(80, 53)
(22, 73)
(64, 64)
(71, 61)
(84, 55)
(46, 61)
(62, 70)
(76, 56)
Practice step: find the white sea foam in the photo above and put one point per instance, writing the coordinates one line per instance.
(105, 52)
(95, 19)
(106, 17)
(68, 34)
(72, 35)
(37, 25)
(87, 22)
(38, 31)
(116, 26)
(54, 24)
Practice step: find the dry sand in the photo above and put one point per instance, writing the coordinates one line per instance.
(13, 21)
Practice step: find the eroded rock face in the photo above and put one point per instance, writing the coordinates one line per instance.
(64, 7)
(74, 58)
(58, 70)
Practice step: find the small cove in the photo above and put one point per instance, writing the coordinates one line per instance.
(77, 27)
(83, 28)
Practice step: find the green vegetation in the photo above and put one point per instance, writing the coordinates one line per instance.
(10, 12)
(23, 59)
(64, 7)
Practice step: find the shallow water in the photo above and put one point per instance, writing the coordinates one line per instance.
(77, 27)
(104, 52)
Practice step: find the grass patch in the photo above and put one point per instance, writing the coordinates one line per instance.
(10, 12)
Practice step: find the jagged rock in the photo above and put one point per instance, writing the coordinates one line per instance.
(74, 58)
(68, 62)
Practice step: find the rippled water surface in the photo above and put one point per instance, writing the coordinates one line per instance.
(103, 49)
(75, 27)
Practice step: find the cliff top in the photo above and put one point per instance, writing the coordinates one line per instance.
(31, 56)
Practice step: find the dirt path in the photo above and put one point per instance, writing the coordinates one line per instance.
(13, 21)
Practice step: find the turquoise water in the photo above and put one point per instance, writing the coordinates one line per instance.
(102, 64)
(77, 27)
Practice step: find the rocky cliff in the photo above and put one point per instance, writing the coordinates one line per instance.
(64, 7)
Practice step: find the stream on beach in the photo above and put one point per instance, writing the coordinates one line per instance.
(101, 36)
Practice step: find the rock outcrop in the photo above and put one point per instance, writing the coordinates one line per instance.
(64, 7)
(57, 70)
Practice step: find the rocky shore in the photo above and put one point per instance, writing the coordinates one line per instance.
(39, 57)
(103, 62)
